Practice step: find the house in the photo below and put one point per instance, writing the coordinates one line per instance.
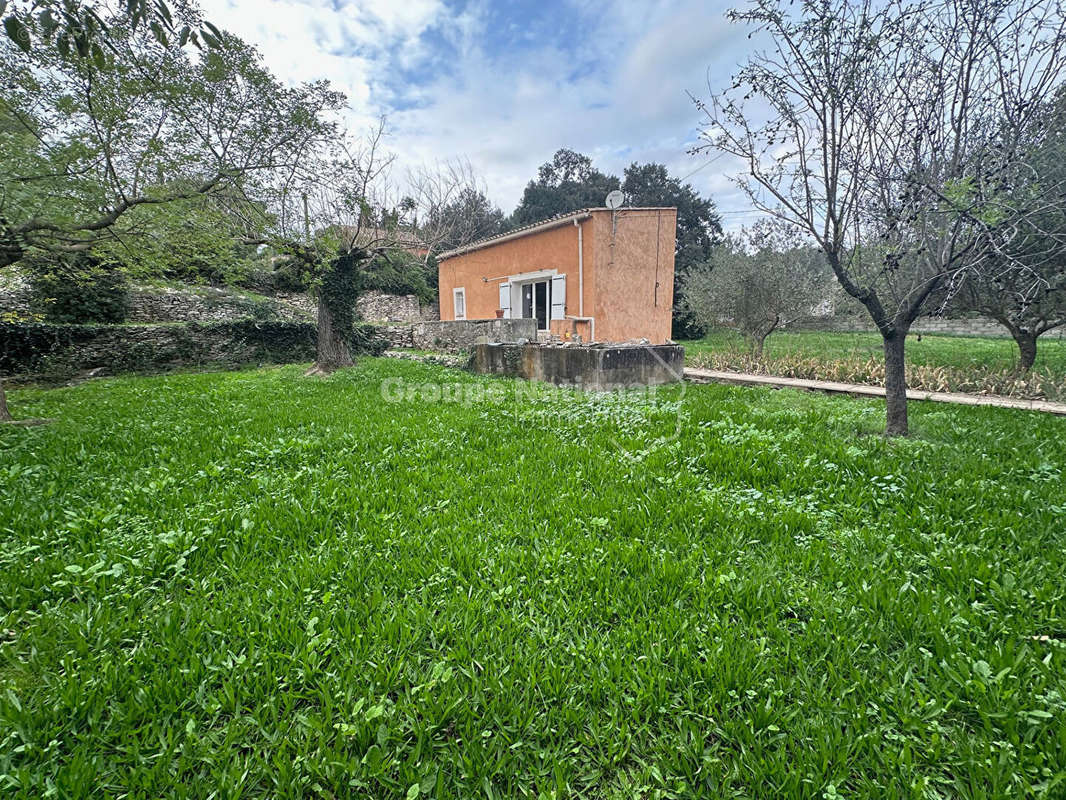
(597, 274)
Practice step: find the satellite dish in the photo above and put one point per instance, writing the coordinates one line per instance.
(614, 200)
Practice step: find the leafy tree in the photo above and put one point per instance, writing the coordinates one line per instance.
(77, 29)
(566, 183)
(150, 127)
(78, 288)
(698, 227)
(399, 272)
(193, 240)
(86, 141)
(757, 282)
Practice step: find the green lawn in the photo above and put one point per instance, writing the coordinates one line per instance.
(939, 363)
(253, 584)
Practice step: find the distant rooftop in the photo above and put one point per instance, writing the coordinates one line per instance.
(544, 224)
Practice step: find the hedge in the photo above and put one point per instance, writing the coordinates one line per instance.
(46, 350)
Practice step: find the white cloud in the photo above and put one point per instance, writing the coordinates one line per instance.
(507, 110)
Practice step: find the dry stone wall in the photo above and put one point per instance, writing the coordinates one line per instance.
(378, 306)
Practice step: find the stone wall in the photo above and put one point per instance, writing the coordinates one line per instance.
(148, 304)
(955, 326)
(208, 304)
(951, 326)
(377, 306)
(14, 293)
(464, 334)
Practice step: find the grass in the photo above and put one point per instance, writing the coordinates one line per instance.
(937, 363)
(256, 585)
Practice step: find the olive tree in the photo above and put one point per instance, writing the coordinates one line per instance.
(757, 282)
(1025, 289)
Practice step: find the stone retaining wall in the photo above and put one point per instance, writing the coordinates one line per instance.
(951, 326)
(206, 304)
(377, 306)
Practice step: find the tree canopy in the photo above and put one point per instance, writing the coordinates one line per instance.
(758, 281)
(566, 183)
(85, 144)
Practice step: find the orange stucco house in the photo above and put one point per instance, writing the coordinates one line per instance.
(597, 274)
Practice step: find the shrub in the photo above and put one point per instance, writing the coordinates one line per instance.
(78, 289)
(58, 351)
(400, 273)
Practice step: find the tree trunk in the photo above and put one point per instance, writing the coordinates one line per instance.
(895, 384)
(1026, 341)
(331, 351)
(757, 338)
(5, 415)
(755, 342)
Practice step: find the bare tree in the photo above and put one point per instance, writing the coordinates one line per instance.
(448, 207)
(338, 210)
(1029, 299)
(887, 132)
(758, 282)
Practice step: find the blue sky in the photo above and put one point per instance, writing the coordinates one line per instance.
(505, 84)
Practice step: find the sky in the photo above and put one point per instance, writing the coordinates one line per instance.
(506, 84)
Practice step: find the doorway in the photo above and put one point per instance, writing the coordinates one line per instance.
(536, 302)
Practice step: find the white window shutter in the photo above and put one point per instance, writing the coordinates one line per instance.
(505, 299)
(558, 297)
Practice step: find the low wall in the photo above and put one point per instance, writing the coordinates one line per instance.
(148, 303)
(592, 367)
(951, 326)
(375, 306)
(207, 304)
(465, 334)
(41, 350)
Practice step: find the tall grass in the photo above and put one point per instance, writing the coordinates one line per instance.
(256, 585)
